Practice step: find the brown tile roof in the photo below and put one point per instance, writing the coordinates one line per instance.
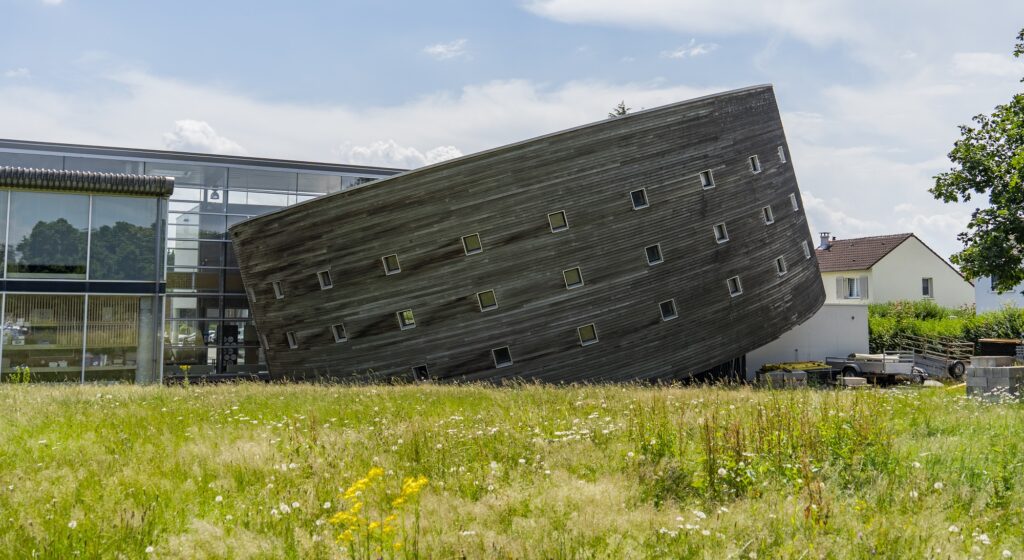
(857, 254)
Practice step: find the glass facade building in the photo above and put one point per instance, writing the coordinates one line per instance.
(196, 317)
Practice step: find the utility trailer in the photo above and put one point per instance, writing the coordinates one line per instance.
(938, 356)
(886, 368)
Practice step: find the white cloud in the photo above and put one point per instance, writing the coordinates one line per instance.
(988, 64)
(446, 51)
(691, 50)
(18, 73)
(53, 2)
(388, 153)
(815, 21)
(198, 136)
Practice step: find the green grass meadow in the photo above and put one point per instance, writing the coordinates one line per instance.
(261, 471)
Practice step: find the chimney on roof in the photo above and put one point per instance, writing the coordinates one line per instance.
(825, 241)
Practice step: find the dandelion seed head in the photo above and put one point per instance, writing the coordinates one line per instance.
(150, 549)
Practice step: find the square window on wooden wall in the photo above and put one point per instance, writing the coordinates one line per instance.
(487, 300)
(406, 319)
(587, 334)
(573, 277)
(471, 244)
(391, 265)
(502, 357)
(558, 221)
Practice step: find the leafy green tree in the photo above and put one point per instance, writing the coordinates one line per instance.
(989, 158)
(123, 251)
(55, 247)
(620, 110)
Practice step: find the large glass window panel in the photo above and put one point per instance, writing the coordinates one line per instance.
(120, 339)
(200, 360)
(124, 238)
(242, 359)
(242, 178)
(4, 195)
(184, 174)
(349, 181)
(252, 203)
(196, 307)
(189, 199)
(195, 226)
(309, 182)
(48, 233)
(191, 333)
(236, 307)
(103, 165)
(188, 280)
(33, 161)
(233, 281)
(44, 334)
(187, 253)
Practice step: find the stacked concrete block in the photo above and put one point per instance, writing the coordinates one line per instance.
(787, 379)
(995, 378)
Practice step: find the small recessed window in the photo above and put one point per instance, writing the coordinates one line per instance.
(807, 250)
(263, 341)
(766, 214)
(391, 265)
(735, 288)
(324, 276)
(293, 341)
(668, 310)
(639, 198)
(793, 202)
(721, 234)
(755, 165)
(420, 372)
(653, 254)
(587, 334)
(406, 320)
(487, 300)
(780, 266)
(707, 180)
(782, 154)
(339, 332)
(573, 277)
(471, 244)
(926, 288)
(278, 290)
(558, 221)
(502, 357)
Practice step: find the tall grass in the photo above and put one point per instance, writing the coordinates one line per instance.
(256, 471)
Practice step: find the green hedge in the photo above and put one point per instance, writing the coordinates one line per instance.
(889, 321)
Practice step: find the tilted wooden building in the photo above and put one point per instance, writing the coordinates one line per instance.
(649, 246)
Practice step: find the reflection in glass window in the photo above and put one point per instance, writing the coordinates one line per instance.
(185, 253)
(193, 281)
(44, 333)
(203, 175)
(309, 182)
(120, 339)
(242, 178)
(124, 238)
(103, 165)
(33, 161)
(3, 225)
(48, 235)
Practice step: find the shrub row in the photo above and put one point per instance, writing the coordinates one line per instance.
(888, 322)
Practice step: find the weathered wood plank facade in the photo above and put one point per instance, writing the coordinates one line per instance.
(505, 195)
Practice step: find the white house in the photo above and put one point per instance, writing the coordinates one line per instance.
(888, 268)
(987, 299)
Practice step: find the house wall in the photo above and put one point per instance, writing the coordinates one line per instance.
(898, 277)
(985, 299)
(832, 295)
(835, 330)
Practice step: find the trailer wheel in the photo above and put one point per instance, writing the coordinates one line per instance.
(957, 369)
(850, 371)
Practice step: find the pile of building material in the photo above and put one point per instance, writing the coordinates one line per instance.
(995, 378)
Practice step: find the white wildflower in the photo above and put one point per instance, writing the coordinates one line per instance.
(937, 486)
(913, 494)
(700, 514)
(983, 539)
(722, 471)
(219, 499)
(706, 533)
(72, 524)
(327, 505)
(752, 555)
(1007, 554)
(629, 455)
(467, 533)
(149, 550)
(954, 529)
(916, 465)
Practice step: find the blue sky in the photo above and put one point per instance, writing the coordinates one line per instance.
(871, 92)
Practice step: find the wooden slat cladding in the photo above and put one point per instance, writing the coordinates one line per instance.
(505, 196)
